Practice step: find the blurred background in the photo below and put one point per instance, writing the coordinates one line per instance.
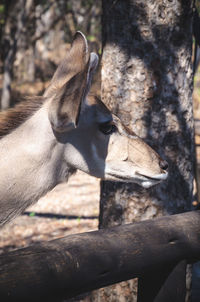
(34, 37)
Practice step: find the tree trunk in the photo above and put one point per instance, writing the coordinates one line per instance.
(147, 81)
(9, 51)
(11, 36)
(16, 38)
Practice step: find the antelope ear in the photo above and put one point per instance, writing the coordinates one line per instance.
(75, 61)
(93, 62)
(66, 101)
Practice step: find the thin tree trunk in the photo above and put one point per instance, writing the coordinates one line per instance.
(9, 49)
(29, 43)
(7, 77)
(16, 37)
(147, 82)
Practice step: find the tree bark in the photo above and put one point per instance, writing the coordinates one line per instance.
(12, 39)
(147, 81)
(9, 51)
(17, 37)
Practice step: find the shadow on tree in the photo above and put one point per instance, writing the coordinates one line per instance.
(174, 142)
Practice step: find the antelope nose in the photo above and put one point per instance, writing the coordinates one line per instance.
(163, 164)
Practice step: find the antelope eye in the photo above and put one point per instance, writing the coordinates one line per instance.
(107, 128)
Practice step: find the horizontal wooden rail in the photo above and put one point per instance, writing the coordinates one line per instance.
(63, 268)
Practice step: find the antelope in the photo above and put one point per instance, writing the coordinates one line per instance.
(45, 139)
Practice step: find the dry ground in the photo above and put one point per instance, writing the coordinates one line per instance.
(71, 207)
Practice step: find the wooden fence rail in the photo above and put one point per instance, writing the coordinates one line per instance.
(64, 268)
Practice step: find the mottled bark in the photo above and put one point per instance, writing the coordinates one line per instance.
(15, 39)
(9, 51)
(147, 82)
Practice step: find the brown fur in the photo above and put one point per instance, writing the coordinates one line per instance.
(14, 117)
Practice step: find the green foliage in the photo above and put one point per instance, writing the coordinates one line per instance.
(91, 38)
(79, 219)
(197, 3)
(2, 8)
(68, 6)
(87, 3)
(32, 214)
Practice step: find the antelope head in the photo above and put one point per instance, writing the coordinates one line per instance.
(93, 139)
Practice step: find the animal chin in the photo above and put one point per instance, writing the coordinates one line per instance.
(148, 181)
(143, 180)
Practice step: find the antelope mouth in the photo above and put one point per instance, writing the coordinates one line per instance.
(149, 181)
(143, 180)
(157, 177)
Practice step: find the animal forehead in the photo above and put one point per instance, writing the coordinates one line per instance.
(122, 128)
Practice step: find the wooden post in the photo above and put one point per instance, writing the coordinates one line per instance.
(162, 285)
(66, 267)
